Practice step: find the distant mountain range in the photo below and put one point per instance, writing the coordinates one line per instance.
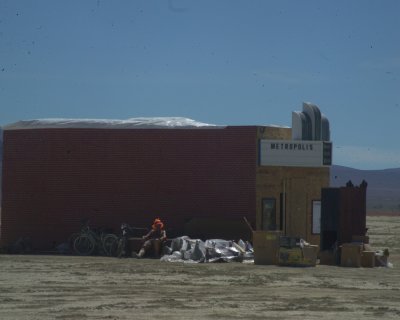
(383, 192)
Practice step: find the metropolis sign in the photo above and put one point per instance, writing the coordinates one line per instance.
(295, 153)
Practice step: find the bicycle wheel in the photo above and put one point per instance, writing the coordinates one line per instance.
(71, 240)
(110, 245)
(84, 245)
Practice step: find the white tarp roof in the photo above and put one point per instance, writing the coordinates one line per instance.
(133, 123)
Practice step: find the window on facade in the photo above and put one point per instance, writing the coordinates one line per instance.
(316, 217)
(268, 214)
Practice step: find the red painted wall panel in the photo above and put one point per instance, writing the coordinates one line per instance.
(343, 215)
(52, 178)
(353, 213)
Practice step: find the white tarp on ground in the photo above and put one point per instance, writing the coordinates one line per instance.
(133, 123)
(184, 249)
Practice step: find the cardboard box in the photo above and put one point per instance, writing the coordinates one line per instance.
(327, 257)
(266, 247)
(351, 255)
(290, 256)
(381, 260)
(134, 244)
(288, 242)
(368, 259)
(298, 256)
(362, 239)
(310, 253)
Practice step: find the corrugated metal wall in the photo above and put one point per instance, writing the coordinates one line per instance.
(353, 213)
(343, 215)
(52, 178)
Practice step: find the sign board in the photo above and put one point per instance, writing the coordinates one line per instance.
(295, 153)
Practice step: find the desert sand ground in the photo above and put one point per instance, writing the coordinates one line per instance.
(70, 287)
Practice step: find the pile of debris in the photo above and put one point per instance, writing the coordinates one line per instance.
(184, 249)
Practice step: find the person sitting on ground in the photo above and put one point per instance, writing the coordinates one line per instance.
(154, 238)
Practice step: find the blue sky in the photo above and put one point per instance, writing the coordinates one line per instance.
(221, 62)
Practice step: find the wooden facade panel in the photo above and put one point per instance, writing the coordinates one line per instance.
(296, 209)
(300, 187)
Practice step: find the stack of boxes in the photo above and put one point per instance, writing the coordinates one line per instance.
(358, 253)
(270, 247)
(266, 247)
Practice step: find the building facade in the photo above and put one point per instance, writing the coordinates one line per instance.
(202, 181)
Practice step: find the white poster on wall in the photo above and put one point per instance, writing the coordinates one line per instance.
(316, 217)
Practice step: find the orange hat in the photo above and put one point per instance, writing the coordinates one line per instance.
(157, 222)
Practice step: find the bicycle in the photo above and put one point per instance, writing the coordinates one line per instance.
(122, 244)
(88, 242)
